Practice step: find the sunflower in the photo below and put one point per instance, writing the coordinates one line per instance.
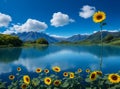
(46, 71)
(26, 79)
(56, 69)
(93, 76)
(99, 73)
(65, 74)
(99, 17)
(88, 70)
(18, 69)
(47, 80)
(72, 75)
(114, 78)
(57, 82)
(11, 77)
(79, 70)
(38, 70)
(24, 86)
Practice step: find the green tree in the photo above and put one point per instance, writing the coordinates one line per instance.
(42, 41)
(10, 40)
(108, 38)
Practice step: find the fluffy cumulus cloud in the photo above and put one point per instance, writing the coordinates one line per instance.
(29, 25)
(9, 31)
(60, 19)
(4, 20)
(87, 11)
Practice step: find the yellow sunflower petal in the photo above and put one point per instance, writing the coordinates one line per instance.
(65, 74)
(47, 81)
(99, 17)
(11, 77)
(18, 69)
(56, 69)
(72, 75)
(57, 82)
(26, 79)
(79, 70)
(114, 78)
(93, 76)
(46, 71)
(38, 70)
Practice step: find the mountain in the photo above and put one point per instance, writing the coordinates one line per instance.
(78, 37)
(60, 38)
(32, 36)
(97, 36)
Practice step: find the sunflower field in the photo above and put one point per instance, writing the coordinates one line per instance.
(68, 80)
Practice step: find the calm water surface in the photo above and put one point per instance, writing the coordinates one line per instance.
(69, 58)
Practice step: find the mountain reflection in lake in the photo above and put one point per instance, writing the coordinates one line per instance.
(67, 57)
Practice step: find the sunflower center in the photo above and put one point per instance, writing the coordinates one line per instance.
(38, 69)
(114, 77)
(93, 76)
(24, 86)
(27, 79)
(56, 69)
(48, 80)
(11, 76)
(99, 73)
(99, 17)
(57, 82)
(71, 75)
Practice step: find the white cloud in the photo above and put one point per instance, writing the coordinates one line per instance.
(113, 30)
(107, 30)
(4, 20)
(8, 31)
(57, 36)
(87, 11)
(60, 19)
(29, 25)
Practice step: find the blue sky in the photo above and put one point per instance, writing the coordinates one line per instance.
(57, 17)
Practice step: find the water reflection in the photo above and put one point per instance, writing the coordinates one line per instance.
(93, 50)
(9, 54)
(67, 57)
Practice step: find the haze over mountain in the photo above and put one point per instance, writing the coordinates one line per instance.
(77, 37)
(97, 35)
(32, 36)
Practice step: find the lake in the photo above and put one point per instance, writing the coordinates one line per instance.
(68, 58)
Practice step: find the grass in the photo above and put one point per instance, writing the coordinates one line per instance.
(24, 45)
(33, 44)
(114, 42)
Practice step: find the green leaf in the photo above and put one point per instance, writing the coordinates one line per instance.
(52, 76)
(88, 88)
(87, 80)
(56, 88)
(65, 84)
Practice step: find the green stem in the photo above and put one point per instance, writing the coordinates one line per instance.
(101, 54)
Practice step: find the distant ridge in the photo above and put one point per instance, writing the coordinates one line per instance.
(97, 35)
(32, 36)
(77, 37)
